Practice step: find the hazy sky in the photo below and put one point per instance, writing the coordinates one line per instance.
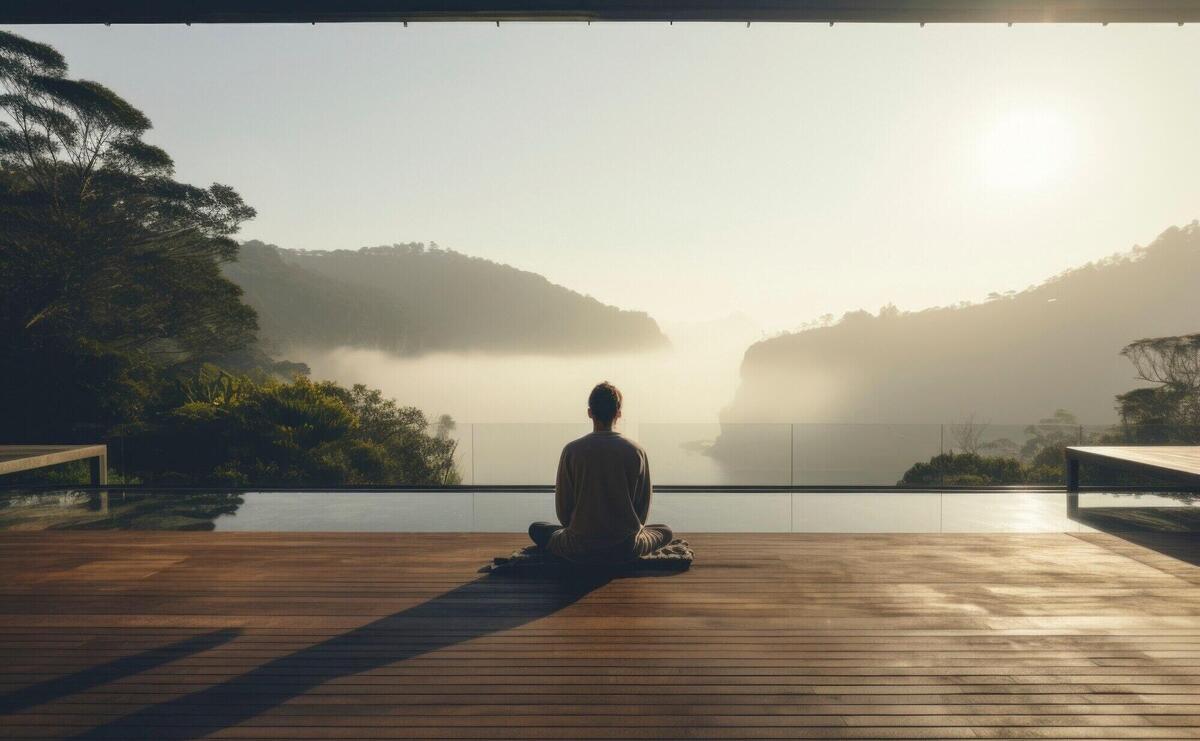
(692, 170)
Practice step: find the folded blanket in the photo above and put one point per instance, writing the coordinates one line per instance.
(674, 556)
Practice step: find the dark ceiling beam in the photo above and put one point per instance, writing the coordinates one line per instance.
(765, 11)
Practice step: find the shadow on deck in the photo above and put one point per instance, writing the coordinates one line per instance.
(485, 606)
(278, 635)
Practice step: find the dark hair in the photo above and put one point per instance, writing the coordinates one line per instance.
(605, 402)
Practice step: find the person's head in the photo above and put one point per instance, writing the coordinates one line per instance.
(604, 405)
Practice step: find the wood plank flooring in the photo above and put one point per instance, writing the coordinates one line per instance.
(347, 636)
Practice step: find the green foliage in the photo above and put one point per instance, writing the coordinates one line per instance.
(964, 469)
(66, 475)
(1048, 465)
(116, 318)
(238, 431)
(109, 269)
(211, 386)
(1168, 412)
(1056, 431)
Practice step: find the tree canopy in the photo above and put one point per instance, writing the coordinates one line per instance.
(116, 318)
(106, 262)
(1170, 410)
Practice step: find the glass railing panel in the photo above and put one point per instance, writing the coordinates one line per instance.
(858, 512)
(860, 454)
(1036, 448)
(463, 436)
(714, 454)
(684, 454)
(1143, 435)
(519, 453)
(752, 454)
(998, 440)
(1107, 435)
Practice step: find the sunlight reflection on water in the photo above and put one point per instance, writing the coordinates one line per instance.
(846, 512)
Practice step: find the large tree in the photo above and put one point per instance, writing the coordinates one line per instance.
(109, 268)
(115, 317)
(1170, 410)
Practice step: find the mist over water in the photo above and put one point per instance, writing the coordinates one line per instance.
(514, 412)
(854, 402)
(689, 382)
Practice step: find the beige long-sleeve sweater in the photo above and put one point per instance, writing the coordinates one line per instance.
(602, 494)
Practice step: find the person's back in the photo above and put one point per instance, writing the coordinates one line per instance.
(602, 493)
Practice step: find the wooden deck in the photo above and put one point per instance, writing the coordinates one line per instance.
(243, 635)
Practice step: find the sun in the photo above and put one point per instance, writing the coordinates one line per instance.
(1026, 150)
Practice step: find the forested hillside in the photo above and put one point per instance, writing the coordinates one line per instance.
(295, 305)
(117, 325)
(409, 299)
(1013, 359)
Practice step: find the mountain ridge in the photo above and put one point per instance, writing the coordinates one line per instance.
(1012, 358)
(410, 299)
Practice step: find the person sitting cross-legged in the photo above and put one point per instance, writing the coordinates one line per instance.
(602, 494)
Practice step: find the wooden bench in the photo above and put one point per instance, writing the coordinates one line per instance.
(1171, 462)
(14, 458)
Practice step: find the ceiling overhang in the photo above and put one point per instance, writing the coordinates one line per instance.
(763, 11)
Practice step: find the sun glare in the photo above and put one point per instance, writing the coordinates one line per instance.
(1026, 149)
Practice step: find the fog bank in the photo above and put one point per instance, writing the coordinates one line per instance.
(688, 382)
